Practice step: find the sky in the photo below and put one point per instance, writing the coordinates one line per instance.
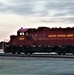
(15, 14)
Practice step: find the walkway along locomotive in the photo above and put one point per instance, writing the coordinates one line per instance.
(42, 39)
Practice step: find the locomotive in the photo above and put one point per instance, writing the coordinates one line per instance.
(41, 39)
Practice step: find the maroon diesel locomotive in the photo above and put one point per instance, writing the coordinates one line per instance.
(42, 39)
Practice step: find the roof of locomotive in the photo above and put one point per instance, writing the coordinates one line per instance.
(30, 29)
(22, 29)
(41, 28)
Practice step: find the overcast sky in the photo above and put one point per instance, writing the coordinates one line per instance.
(15, 14)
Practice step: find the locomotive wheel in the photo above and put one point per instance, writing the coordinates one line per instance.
(64, 53)
(30, 52)
(5, 52)
(19, 52)
(59, 53)
(13, 52)
(26, 52)
(73, 53)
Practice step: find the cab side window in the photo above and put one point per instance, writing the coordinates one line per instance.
(26, 33)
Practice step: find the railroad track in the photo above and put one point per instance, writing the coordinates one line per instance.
(37, 55)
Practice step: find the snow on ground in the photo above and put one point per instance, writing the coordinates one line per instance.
(30, 66)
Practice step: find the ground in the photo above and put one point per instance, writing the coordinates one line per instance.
(36, 66)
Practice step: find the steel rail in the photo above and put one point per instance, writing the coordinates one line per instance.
(37, 55)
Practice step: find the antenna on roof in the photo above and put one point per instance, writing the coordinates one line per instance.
(21, 27)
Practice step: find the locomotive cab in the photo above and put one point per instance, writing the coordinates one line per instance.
(22, 32)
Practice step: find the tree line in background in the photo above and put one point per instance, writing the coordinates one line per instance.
(1, 45)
